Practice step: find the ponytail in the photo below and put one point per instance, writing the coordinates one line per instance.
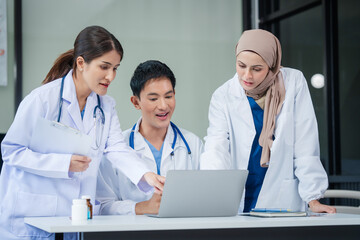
(63, 64)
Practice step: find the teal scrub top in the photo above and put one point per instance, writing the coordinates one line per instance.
(157, 155)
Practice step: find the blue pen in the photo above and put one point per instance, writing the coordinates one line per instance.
(270, 210)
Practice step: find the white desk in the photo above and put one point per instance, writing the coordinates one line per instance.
(205, 226)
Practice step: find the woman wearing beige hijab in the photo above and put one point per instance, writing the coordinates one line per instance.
(263, 120)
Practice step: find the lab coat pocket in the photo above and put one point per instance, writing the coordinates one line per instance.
(284, 130)
(289, 195)
(31, 205)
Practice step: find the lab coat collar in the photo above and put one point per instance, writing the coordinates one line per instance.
(140, 144)
(169, 138)
(241, 104)
(91, 103)
(236, 88)
(69, 95)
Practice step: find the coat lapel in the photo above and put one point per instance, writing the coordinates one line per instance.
(167, 149)
(91, 103)
(241, 106)
(140, 145)
(73, 109)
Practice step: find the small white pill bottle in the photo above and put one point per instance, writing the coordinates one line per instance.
(79, 210)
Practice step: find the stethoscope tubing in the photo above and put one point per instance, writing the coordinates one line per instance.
(97, 107)
(176, 130)
(102, 115)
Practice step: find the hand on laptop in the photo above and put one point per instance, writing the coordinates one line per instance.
(155, 180)
(150, 206)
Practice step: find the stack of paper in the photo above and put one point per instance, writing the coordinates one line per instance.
(275, 212)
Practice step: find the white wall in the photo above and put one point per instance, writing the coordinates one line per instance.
(7, 93)
(196, 39)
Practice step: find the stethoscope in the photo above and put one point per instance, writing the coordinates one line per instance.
(98, 107)
(176, 130)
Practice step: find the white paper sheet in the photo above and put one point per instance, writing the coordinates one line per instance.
(53, 137)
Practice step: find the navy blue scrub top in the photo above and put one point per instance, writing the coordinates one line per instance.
(256, 172)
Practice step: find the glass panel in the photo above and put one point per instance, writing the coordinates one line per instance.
(277, 5)
(302, 40)
(284, 4)
(349, 84)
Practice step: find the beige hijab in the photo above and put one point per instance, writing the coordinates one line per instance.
(267, 46)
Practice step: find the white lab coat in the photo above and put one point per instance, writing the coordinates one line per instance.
(119, 195)
(295, 175)
(34, 184)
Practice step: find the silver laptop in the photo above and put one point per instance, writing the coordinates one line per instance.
(204, 193)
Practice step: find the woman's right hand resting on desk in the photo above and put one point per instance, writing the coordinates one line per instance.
(79, 163)
(318, 207)
(150, 206)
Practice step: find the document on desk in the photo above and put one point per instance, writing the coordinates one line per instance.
(275, 212)
(53, 137)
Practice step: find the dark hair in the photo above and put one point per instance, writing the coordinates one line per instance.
(148, 70)
(92, 42)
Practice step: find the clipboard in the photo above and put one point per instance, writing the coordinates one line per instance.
(54, 137)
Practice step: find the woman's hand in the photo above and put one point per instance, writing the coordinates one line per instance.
(318, 207)
(155, 180)
(79, 163)
(150, 206)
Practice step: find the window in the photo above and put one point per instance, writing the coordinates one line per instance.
(321, 37)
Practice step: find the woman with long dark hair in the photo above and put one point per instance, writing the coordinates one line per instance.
(37, 183)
